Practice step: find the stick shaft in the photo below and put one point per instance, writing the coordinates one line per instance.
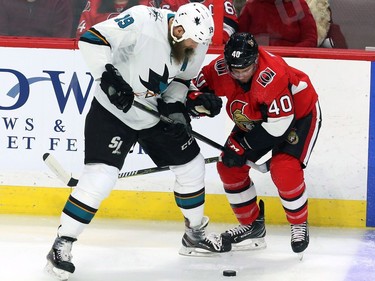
(158, 169)
(66, 177)
(263, 168)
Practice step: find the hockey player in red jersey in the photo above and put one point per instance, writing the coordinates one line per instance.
(230, 24)
(275, 108)
(100, 10)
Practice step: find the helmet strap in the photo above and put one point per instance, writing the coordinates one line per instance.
(175, 39)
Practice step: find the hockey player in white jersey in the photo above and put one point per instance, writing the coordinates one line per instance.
(148, 55)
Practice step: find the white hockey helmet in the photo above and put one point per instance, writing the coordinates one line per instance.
(197, 21)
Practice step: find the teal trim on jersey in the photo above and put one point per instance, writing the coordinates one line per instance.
(184, 65)
(78, 212)
(370, 216)
(190, 201)
(169, 16)
(91, 37)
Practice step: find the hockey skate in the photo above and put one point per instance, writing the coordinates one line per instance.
(59, 258)
(250, 236)
(196, 243)
(299, 238)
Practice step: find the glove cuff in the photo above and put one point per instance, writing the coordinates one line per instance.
(192, 95)
(236, 146)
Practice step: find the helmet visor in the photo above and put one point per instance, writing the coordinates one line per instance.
(242, 73)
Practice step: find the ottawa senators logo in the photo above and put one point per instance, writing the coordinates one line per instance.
(292, 137)
(240, 119)
(221, 67)
(266, 76)
(199, 81)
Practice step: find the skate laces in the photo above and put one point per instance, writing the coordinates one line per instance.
(298, 232)
(196, 234)
(63, 249)
(238, 230)
(199, 236)
(215, 240)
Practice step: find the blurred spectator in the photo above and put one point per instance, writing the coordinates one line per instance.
(336, 36)
(100, 10)
(329, 33)
(77, 7)
(230, 24)
(279, 22)
(155, 3)
(36, 18)
(238, 5)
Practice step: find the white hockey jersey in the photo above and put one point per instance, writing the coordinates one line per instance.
(136, 43)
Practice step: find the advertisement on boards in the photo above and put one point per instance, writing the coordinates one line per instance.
(46, 93)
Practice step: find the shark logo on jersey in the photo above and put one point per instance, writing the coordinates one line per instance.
(156, 83)
(155, 14)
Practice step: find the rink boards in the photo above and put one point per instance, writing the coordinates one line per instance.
(45, 94)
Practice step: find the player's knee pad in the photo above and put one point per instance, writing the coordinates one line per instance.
(95, 184)
(233, 177)
(190, 176)
(286, 172)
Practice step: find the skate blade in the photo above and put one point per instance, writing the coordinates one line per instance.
(250, 245)
(196, 252)
(300, 256)
(59, 274)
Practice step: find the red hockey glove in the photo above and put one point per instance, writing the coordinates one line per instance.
(234, 152)
(203, 104)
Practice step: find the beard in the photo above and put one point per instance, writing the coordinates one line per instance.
(179, 52)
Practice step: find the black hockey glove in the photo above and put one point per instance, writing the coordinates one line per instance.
(177, 112)
(203, 104)
(234, 153)
(118, 91)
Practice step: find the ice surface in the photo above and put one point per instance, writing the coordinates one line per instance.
(119, 250)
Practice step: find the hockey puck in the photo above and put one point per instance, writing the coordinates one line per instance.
(229, 273)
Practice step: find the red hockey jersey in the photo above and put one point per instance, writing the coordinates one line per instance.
(91, 14)
(277, 95)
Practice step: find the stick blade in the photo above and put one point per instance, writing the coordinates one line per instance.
(58, 170)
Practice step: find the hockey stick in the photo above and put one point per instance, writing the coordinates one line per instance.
(58, 170)
(263, 168)
(65, 177)
(158, 169)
